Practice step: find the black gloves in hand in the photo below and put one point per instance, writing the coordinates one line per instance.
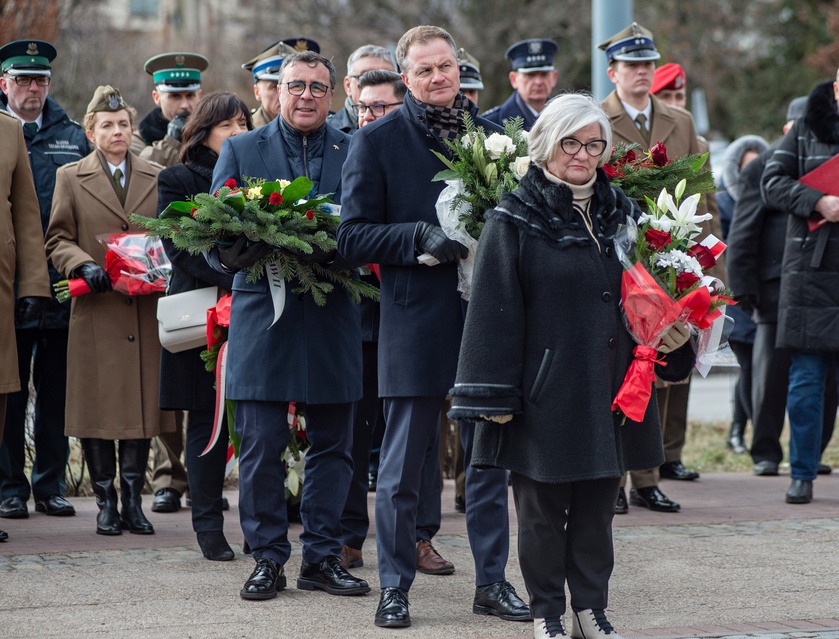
(243, 254)
(29, 309)
(429, 238)
(176, 125)
(96, 277)
(748, 302)
(317, 256)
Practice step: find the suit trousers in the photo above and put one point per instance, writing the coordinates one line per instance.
(49, 377)
(169, 470)
(410, 457)
(206, 473)
(263, 427)
(487, 516)
(2, 413)
(565, 535)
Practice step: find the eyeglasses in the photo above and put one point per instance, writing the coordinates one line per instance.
(594, 148)
(378, 110)
(298, 87)
(26, 80)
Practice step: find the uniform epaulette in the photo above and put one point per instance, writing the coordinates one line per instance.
(6, 113)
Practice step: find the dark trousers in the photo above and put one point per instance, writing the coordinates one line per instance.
(206, 474)
(770, 381)
(49, 376)
(410, 456)
(743, 388)
(263, 427)
(565, 535)
(487, 517)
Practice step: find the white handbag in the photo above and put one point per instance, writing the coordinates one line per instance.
(182, 318)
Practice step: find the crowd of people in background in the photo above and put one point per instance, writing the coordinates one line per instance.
(530, 389)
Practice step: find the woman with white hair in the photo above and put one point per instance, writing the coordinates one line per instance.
(545, 349)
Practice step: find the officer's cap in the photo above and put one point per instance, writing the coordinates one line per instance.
(633, 44)
(529, 56)
(27, 57)
(176, 72)
(470, 71)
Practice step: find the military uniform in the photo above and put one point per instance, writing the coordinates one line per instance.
(265, 66)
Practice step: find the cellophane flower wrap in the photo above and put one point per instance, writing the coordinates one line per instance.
(665, 281)
(481, 169)
(135, 263)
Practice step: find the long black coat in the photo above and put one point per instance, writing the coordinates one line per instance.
(545, 340)
(808, 316)
(387, 190)
(184, 382)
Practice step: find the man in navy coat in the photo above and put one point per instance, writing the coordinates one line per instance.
(311, 354)
(389, 218)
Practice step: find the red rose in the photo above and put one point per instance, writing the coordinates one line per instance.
(310, 214)
(275, 198)
(192, 212)
(609, 170)
(230, 184)
(703, 255)
(657, 239)
(685, 280)
(629, 157)
(659, 153)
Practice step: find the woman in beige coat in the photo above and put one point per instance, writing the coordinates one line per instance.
(113, 352)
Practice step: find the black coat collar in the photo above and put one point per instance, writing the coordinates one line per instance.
(822, 117)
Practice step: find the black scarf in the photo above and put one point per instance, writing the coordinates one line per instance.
(153, 127)
(445, 122)
(202, 160)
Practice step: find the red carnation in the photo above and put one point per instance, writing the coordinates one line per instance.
(685, 280)
(192, 212)
(657, 239)
(310, 214)
(609, 170)
(230, 184)
(275, 198)
(703, 255)
(659, 154)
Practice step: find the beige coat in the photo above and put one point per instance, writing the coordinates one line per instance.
(166, 151)
(260, 117)
(113, 355)
(21, 243)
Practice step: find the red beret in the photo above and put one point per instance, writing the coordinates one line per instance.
(670, 76)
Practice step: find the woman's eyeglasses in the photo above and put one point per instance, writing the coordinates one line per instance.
(594, 148)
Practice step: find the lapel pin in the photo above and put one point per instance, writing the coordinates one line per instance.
(335, 146)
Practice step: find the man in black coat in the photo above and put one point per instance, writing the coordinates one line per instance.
(389, 218)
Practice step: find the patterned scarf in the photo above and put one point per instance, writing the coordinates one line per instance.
(445, 122)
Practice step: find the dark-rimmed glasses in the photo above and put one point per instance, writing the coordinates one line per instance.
(594, 148)
(378, 110)
(298, 87)
(26, 80)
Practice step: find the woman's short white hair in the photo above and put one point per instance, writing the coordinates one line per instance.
(563, 117)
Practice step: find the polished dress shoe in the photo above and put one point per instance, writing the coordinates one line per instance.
(765, 469)
(800, 491)
(651, 497)
(459, 504)
(166, 500)
(550, 628)
(824, 469)
(55, 506)
(621, 507)
(735, 442)
(500, 599)
(351, 558)
(330, 577)
(13, 508)
(214, 546)
(429, 560)
(677, 470)
(266, 580)
(393, 609)
(591, 624)
(3, 535)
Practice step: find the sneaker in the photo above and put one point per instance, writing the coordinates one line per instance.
(548, 628)
(591, 624)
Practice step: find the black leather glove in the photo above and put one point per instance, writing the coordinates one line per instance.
(243, 253)
(29, 309)
(317, 256)
(176, 125)
(96, 277)
(429, 238)
(748, 302)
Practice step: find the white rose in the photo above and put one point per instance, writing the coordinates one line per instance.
(520, 166)
(284, 183)
(498, 144)
(255, 193)
(466, 140)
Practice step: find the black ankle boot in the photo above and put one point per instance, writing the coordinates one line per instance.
(735, 442)
(214, 545)
(100, 457)
(133, 461)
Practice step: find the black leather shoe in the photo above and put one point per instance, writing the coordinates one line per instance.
(765, 469)
(13, 508)
(621, 507)
(500, 599)
(55, 506)
(225, 504)
(677, 470)
(800, 491)
(330, 577)
(824, 469)
(3, 535)
(372, 482)
(266, 580)
(166, 500)
(460, 503)
(651, 497)
(214, 546)
(393, 609)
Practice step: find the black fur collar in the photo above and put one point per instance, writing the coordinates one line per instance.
(822, 117)
(153, 127)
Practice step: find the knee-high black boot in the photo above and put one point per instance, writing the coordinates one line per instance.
(100, 455)
(133, 461)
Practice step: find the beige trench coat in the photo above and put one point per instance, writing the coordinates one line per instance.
(21, 243)
(113, 355)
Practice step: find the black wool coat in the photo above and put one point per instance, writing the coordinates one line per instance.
(184, 382)
(545, 339)
(808, 315)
